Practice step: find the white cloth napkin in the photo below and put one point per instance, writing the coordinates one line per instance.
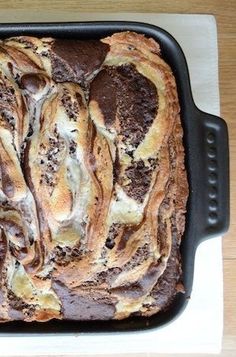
(199, 328)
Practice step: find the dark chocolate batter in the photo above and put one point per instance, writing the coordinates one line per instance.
(123, 91)
(75, 60)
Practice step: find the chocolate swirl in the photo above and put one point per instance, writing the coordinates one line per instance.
(93, 184)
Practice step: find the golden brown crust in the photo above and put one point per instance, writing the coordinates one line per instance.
(93, 183)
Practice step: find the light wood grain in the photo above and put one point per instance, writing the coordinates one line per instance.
(225, 13)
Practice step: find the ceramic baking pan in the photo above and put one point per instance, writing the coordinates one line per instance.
(207, 157)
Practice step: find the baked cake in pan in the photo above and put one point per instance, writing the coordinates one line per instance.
(93, 183)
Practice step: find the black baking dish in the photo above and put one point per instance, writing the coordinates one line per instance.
(207, 162)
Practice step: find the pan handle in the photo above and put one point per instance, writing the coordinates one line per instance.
(208, 163)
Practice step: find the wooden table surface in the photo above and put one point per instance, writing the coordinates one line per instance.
(225, 13)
